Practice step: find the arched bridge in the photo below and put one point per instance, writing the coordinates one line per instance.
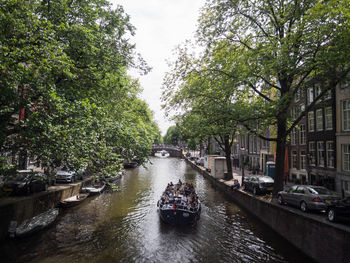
(174, 151)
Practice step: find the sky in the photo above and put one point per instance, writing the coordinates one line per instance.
(161, 25)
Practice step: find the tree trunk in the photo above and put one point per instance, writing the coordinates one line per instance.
(228, 158)
(280, 155)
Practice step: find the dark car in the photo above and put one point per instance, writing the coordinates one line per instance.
(25, 183)
(339, 210)
(259, 184)
(307, 197)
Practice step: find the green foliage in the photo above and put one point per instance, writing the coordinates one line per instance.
(257, 55)
(173, 135)
(64, 69)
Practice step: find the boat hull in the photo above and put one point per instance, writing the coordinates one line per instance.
(70, 202)
(33, 225)
(178, 216)
(130, 165)
(93, 190)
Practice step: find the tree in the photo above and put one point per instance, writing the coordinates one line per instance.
(282, 48)
(64, 67)
(173, 136)
(209, 103)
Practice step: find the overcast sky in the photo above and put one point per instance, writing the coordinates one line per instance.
(161, 25)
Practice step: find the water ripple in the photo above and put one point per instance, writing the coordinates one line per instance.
(125, 227)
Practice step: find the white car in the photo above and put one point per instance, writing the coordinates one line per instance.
(65, 175)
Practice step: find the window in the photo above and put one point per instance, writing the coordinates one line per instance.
(310, 95)
(251, 141)
(311, 121)
(293, 113)
(297, 95)
(302, 160)
(242, 139)
(328, 118)
(346, 115)
(345, 83)
(255, 144)
(293, 137)
(318, 90)
(320, 153)
(312, 153)
(293, 189)
(330, 154)
(346, 186)
(328, 95)
(302, 135)
(346, 157)
(319, 120)
(294, 159)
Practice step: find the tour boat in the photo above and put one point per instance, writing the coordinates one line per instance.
(175, 207)
(33, 224)
(73, 200)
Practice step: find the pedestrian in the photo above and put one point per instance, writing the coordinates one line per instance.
(236, 185)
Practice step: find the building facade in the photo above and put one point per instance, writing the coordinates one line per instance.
(321, 139)
(343, 138)
(297, 150)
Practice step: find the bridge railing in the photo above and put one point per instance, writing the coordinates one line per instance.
(165, 146)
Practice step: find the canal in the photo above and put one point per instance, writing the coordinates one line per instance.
(125, 227)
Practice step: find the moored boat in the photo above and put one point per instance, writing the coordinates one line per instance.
(179, 204)
(73, 200)
(95, 189)
(33, 224)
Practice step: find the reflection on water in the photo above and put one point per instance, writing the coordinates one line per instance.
(125, 227)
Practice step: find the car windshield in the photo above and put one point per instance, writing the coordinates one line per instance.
(266, 179)
(320, 191)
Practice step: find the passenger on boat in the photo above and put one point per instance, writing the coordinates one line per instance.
(180, 196)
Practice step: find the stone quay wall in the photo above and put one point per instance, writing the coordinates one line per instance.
(22, 208)
(320, 240)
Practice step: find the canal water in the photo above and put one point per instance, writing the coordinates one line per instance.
(125, 227)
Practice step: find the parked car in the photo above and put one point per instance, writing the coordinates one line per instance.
(259, 184)
(25, 182)
(200, 161)
(307, 197)
(65, 175)
(339, 210)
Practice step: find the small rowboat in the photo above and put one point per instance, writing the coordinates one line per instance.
(33, 224)
(74, 200)
(95, 189)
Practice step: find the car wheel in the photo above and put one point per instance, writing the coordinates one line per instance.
(280, 200)
(331, 215)
(255, 191)
(303, 206)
